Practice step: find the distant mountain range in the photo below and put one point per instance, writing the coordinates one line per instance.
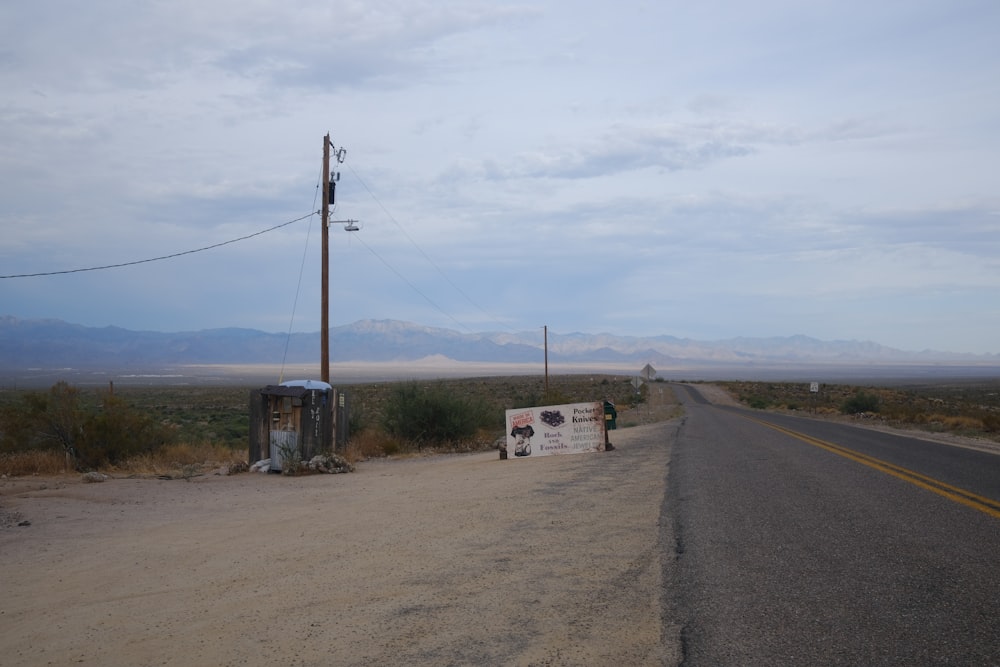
(51, 343)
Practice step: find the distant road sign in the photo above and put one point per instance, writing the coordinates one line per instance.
(814, 387)
(648, 372)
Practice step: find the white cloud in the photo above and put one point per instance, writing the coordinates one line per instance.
(716, 169)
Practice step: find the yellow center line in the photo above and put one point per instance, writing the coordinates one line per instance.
(953, 493)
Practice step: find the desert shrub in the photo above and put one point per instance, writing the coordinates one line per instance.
(991, 422)
(117, 432)
(554, 396)
(357, 419)
(224, 428)
(639, 397)
(217, 414)
(756, 401)
(89, 435)
(43, 420)
(432, 414)
(527, 399)
(860, 402)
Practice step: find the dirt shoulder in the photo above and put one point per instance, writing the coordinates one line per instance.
(463, 560)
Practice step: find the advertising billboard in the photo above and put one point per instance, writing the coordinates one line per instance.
(555, 429)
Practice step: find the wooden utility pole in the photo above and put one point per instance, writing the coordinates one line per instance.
(546, 329)
(324, 335)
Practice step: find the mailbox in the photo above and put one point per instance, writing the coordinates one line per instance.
(610, 416)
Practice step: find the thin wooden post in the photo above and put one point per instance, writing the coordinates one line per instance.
(546, 361)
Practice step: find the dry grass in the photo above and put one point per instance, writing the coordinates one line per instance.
(967, 408)
(179, 460)
(373, 443)
(660, 405)
(20, 464)
(182, 460)
(370, 443)
(958, 423)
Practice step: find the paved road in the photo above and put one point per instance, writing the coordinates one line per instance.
(794, 551)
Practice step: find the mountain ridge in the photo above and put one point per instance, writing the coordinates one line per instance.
(54, 343)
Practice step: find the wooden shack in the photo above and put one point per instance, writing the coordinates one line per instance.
(292, 419)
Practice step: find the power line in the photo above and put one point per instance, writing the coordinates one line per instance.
(157, 259)
(298, 288)
(412, 286)
(426, 256)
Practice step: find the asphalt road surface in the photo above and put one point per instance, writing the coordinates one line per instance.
(823, 544)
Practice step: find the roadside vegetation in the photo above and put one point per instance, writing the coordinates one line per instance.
(393, 418)
(172, 431)
(966, 408)
(176, 431)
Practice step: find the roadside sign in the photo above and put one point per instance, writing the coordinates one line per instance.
(555, 429)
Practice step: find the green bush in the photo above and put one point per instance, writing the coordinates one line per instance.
(91, 435)
(527, 400)
(432, 415)
(991, 422)
(357, 419)
(116, 432)
(43, 421)
(860, 402)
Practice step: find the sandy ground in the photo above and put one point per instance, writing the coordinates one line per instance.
(449, 560)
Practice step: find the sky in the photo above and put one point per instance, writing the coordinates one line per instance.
(704, 170)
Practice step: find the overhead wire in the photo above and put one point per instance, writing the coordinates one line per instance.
(437, 268)
(160, 258)
(302, 266)
(412, 286)
(298, 285)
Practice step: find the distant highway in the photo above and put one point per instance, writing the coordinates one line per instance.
(801, 542)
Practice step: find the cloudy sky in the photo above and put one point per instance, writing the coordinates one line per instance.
(701, 169)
